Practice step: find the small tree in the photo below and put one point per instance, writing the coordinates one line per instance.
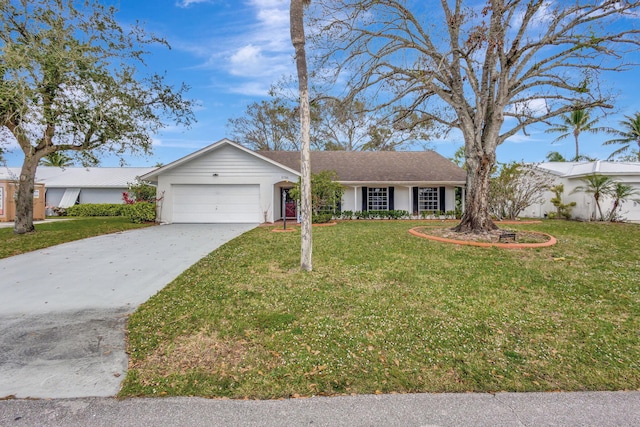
(599, 186)
(563, 210)
(326, 192)
(514, 189)
(142, 191)
(620, 193)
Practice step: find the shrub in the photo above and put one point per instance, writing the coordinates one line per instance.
(346, 214)
(140, 212)
(321, 218)
(96, 209)
(142, 191)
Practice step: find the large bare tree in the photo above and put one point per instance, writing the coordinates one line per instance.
(71, 80)
(296, 12)
(489, 68)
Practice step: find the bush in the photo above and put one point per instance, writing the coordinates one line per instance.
(321, 218)
(137, 212)
(96, 209)
(140, 212)
(346, 214)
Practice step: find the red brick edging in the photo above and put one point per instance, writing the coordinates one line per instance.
(552, 241)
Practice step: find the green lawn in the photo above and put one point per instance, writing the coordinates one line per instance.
(384, 311)
(54, 233)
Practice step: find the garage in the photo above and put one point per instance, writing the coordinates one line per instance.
(193, 203)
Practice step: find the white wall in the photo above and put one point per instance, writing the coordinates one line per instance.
(224, 165)
(585, 208)
(102, 195)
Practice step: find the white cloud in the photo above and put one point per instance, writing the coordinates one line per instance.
(187, 3)
(252, 88)
(262, 53)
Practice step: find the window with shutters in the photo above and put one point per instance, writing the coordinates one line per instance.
(378, 199)
(428, 199)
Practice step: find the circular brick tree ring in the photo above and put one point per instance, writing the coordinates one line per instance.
(552, 241)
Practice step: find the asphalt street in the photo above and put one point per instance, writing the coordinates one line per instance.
(393, 410)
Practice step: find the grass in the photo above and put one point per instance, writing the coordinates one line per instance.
(384, 311)
(55, 233)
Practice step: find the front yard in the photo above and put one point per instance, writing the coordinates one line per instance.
(384, 311)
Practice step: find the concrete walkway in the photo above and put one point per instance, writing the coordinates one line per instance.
(63, 309)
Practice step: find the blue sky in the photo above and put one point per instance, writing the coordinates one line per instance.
(230, 51)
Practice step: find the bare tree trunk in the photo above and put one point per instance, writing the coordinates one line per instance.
(476, 217)
(297, 38)
(24, 201)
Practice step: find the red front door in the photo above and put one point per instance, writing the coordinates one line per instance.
(290, 206)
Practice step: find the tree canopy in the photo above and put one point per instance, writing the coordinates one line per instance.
(488, 68)
(71, 79)
(335, 124)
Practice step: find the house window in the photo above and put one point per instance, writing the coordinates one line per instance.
(378, 199)
(428, 199)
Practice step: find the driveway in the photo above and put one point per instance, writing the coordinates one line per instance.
(63, 309)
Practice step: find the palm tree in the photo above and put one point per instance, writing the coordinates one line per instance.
(57, 159)
(574, 123)
(598, 185)
(296, 16)
(554, 156)
(620, 193)
(630, 133)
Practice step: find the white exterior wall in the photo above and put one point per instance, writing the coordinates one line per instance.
(232, 166)
(449, 199)
(585, 208)
(403, 197)
(349, 199)
(102, 195)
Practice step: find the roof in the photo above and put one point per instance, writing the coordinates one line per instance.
(94, 177)
(153, 175)
(377, 166)
(580, 169)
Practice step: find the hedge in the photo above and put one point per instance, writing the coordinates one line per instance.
(137, 212)
(96, 209)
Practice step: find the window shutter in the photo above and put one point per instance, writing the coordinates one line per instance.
(365, 192)
(415, 199)
(390, 204)
(441, 197)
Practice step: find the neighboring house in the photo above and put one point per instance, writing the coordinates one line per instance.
(70, 185)
(226, 182)
(570, 174)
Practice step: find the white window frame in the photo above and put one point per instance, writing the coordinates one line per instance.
(428, 199)
(378, 198)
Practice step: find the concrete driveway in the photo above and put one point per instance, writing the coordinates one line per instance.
(63, 309)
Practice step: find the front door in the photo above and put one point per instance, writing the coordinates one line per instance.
(290, 206)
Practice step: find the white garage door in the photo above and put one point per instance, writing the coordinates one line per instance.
(216, 203)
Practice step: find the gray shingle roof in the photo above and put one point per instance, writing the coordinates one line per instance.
(378, 166)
